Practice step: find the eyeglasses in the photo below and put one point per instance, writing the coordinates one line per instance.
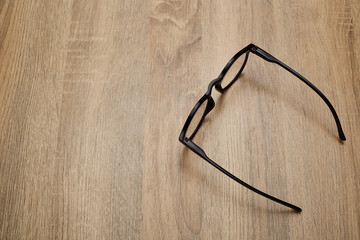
(227, 77)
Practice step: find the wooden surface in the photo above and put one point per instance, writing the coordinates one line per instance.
(94, 94)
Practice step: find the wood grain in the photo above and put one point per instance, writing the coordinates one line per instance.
(94, 94)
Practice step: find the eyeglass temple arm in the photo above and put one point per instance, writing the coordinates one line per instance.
(268, 57)
(196, 149)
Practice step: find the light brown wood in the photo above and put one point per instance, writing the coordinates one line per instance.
(94, 94)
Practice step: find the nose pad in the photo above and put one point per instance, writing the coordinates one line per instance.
(219, 88)
(210, 105)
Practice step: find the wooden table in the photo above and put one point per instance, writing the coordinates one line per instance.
(94, 94)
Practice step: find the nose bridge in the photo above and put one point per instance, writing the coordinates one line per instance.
(211, 84)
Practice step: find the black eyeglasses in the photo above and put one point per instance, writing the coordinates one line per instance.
(227, 77)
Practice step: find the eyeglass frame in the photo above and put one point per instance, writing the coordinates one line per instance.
(251, 48)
